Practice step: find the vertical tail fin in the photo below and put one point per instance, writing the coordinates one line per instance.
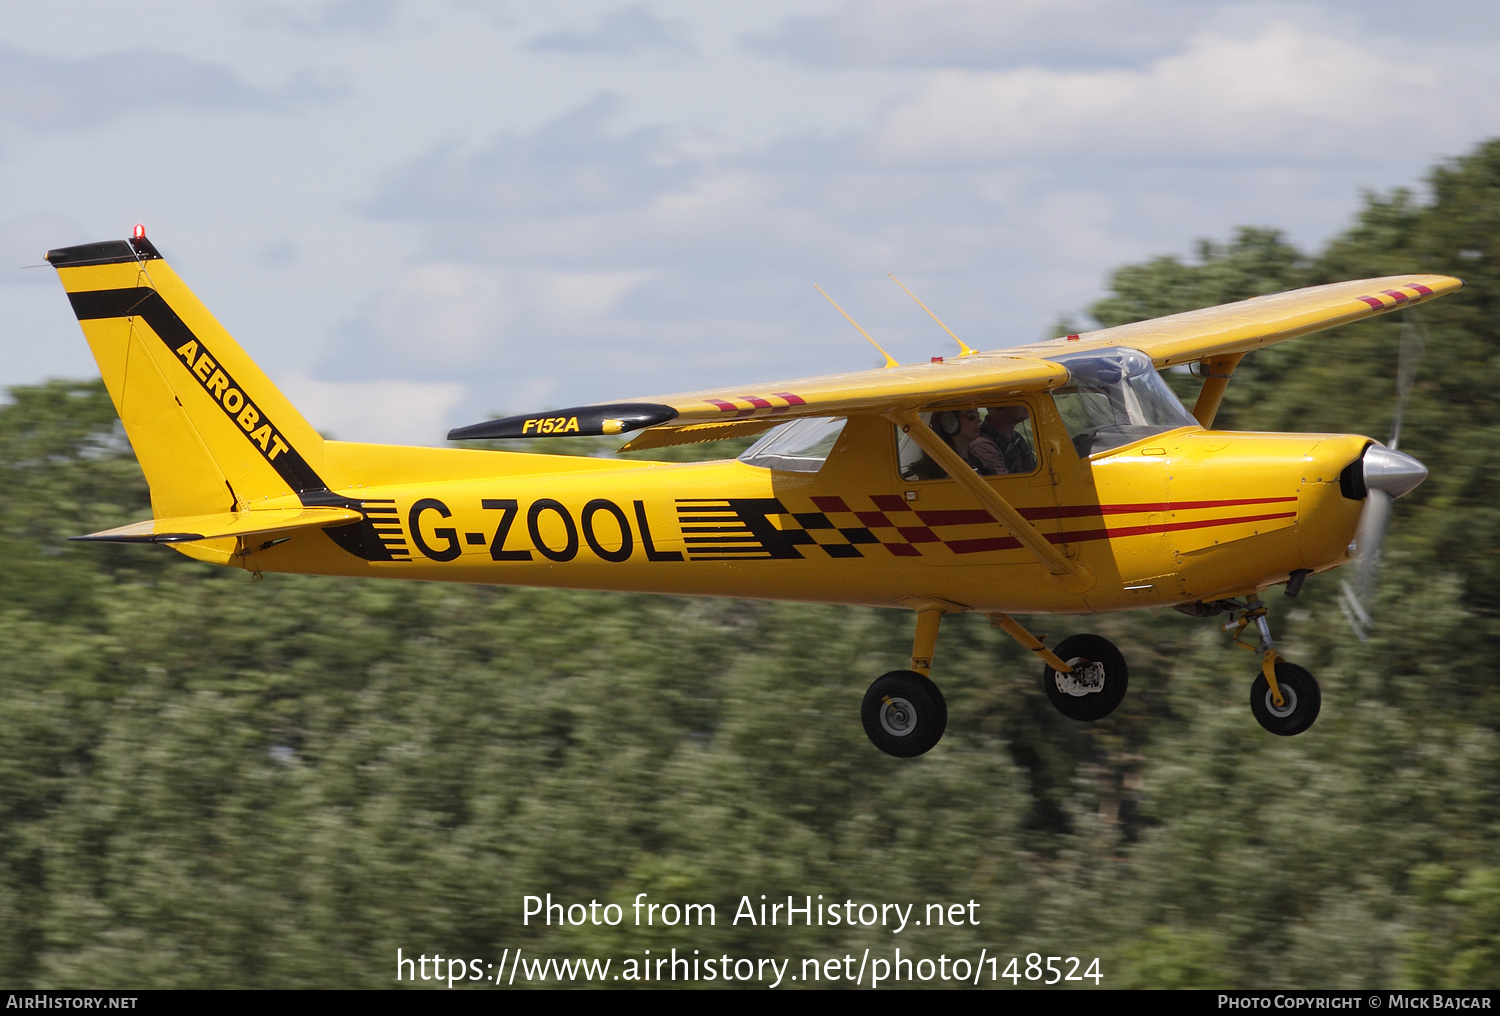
(210, 430)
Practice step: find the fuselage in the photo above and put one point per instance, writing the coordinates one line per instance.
(1185, 515)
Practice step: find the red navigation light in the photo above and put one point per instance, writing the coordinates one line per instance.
(140, 231)
(937, 359)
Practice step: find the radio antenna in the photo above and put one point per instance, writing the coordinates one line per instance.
(961, 343)
(889, 361)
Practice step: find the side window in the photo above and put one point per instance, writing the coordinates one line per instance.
(797, 447)
(993, 440)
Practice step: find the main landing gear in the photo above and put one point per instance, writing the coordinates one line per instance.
(1096, 685)
(904, 713)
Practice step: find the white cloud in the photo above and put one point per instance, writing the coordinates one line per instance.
(332, 18)
(381, 412)
(510, 334)
(431, 320)
(629, 31)
(575, 164)
(584, 297)
(1285, 94)
(980, 33)
(24, 240)
(42, 93)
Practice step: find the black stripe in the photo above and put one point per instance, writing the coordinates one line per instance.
(107, 252)
(174, 334)
(108, 303)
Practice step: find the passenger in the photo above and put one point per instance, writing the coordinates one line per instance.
(960, 430)
(1000, 427)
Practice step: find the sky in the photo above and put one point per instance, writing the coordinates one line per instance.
(418, 215)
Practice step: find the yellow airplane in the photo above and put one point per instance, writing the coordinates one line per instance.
(1058, 477)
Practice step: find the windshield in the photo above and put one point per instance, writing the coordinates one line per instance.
(1114, 397)
(797, 447)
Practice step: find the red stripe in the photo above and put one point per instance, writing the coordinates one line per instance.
(979, 517)
(1420, 288)
(758, 403)
(956, 517)
(724, 407)
(1397, 295)
(830, 504)
(1113, 533)
(791, 400)
(1118, 532)
(1091, 511)
(1373, 301)
(1226, 504)
(981, 545)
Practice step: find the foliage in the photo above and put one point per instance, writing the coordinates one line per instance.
(205, 782)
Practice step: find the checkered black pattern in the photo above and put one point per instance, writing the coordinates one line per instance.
(741, 529)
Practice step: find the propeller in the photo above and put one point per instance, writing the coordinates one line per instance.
(1385, 474)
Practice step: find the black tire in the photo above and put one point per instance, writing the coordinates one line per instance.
(904, 714)
(1082, 650)
(1302, 695)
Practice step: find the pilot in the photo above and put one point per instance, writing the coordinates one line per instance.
(961, 431)
(1000, 427)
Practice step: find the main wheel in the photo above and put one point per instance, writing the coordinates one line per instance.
(904, 714)
(1097, 684)
(1301, 696)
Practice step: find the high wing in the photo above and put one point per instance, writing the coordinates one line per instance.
(1233, 328)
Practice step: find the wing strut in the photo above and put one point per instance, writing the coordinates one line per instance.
(1076, 577)
(1216, 373)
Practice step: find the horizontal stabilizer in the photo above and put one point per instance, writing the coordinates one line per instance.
(188, 528)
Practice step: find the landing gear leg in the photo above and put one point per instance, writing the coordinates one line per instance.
(1085, 679)
(904, 713)
(1284, 698)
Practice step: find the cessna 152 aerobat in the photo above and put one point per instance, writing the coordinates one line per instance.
(1057, 477)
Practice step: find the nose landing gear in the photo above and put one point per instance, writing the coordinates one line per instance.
(1300, 700)
(1284, 698)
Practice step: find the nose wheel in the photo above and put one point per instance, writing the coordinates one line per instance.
(1300, 700)
(1284, 698)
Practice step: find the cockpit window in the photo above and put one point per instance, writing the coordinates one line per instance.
(797, 447)
(1113, 397)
